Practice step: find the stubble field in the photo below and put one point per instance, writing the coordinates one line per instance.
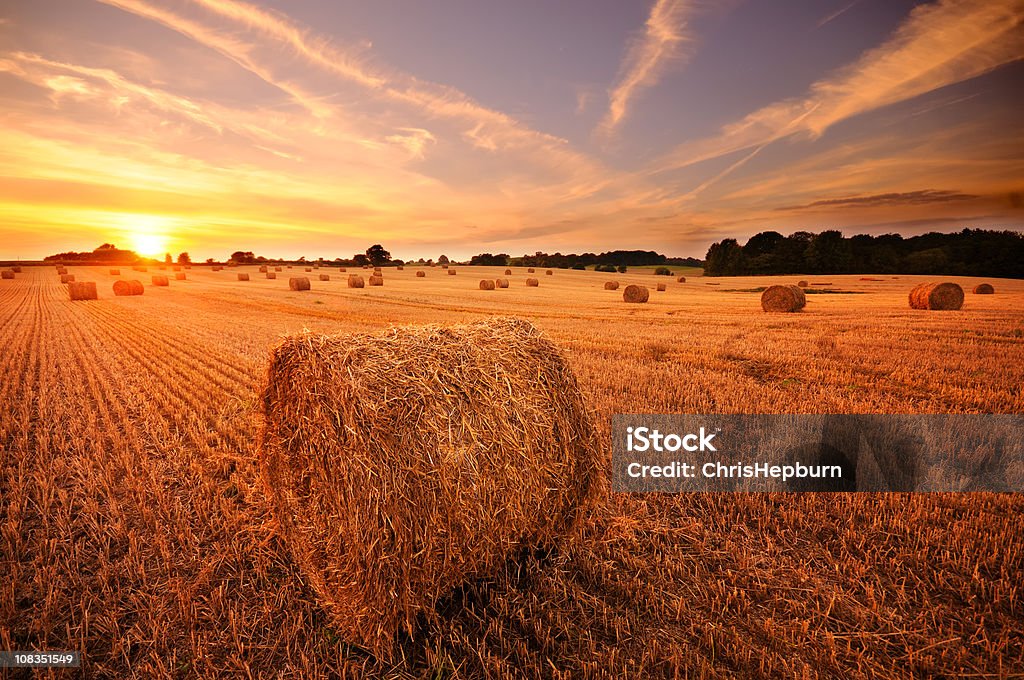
(134, 528)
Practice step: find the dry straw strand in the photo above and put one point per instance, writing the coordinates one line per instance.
(423, 458)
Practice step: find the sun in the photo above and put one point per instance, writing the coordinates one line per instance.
(149, 234)
(152, 245)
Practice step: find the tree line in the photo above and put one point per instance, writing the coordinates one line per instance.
(971, 252)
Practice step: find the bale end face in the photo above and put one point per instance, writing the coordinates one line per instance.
(532, 283)
(298, 283)
(508, 272)
(681, 279)
(421, 274)
(451, 272)
(802, 284)
(530, 270)
(635, 293)
(984, 289)
(662, 287)
(937, 296)
(549, 272)
(83, 290)
(432, 501)
(501, 283)
(611, 285)
(486, 284)
(783, 299)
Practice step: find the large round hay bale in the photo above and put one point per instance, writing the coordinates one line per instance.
(83, 290)
(984, 289)
(298, 283)
(271, 275)
(421, 274)
(532, 283)
(662, 287)
(405, 464)
(10, 275)
(243, 277)
(325, 277)
(508, 272)
(486, 284)
(356, 281)
(779, 298)
(681, 279)
(635, 293)
(549, 272)
(376, 280)
(944, 296)
(802, 284)
(67, 278)
(451, 272)
(530, 270)
(611, 285)
(263, 269)
(16, 269)
(160, 280)
(132, 287)
(180, 276)
(501, 283)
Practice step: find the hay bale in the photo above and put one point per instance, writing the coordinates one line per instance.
(508, 272)
(376, 280)
(61, 271)
(802, 284)
(662, 287)
(180, 276)
(783, 299)
(271, 275)
(114, 272)
(162, 268)
(159, 280)
(681, 279)
(16, 269)
(309, 269)
(984, 289)
(611, 285)
(325, 277)
(277, 269)
(263, 269)
(402, 465)
(451, 272)
(486, 284)
(10, 275)
(549, 272)
(216, 269)
(243, 277)
(356, 281)
(298, 283)
(376, 270)
(400, 268)
(67, 278)
(532, 283)
(176, 268)
(941, 296)
(83, 290)
(122, 288)
(421, 274)
(444, 266)
(342, 270)
(530, 270)
(501, 283)
(635, 293)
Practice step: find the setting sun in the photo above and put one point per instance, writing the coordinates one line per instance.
(147, 234)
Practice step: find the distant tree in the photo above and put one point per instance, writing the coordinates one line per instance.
(209, 260)
(360, 260)
(489, 260)
(243, 257)
(184, 258)
(168, 259)
(377, 255)
(621, 269)
(443, 259)
(662, 271)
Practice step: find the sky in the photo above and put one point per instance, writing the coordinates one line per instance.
(317, 128)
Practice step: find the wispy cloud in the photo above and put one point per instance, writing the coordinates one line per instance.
(664, 40)
(937, 45)
(919, 197)
(836, 14)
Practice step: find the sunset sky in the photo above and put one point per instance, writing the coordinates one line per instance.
(317, 127)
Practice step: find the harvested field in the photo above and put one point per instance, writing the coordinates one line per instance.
(132, 499)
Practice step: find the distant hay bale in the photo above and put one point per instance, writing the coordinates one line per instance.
(662, 287)
(243, 277)
(309, 269)
(941, 296)
(421, 274)
(802, 284)
(162, 268)
(298, 283)
(508, 272)
(325, 277)
(67, 278)
(501, 283)
(611, 285)
(549, 272)
(271, 275)
(376, 280)
(176, 268)
(402, 465)
(984, 289)
(451, 272)
(635, 293)
(681, 279)
(216, 269)
(532, 283)
(16, 269)
(83, 290)
(277, 269)
(159, 280)
(530, 270)
(263, 269)
(342, 270)
(10, 275)
(180, 276)
(376, 270)
(114, 272)
(356, 281)
(122, 288)
(779, 298)
(400, 268)
(444, 266)
(486, 284)
(61, 271)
